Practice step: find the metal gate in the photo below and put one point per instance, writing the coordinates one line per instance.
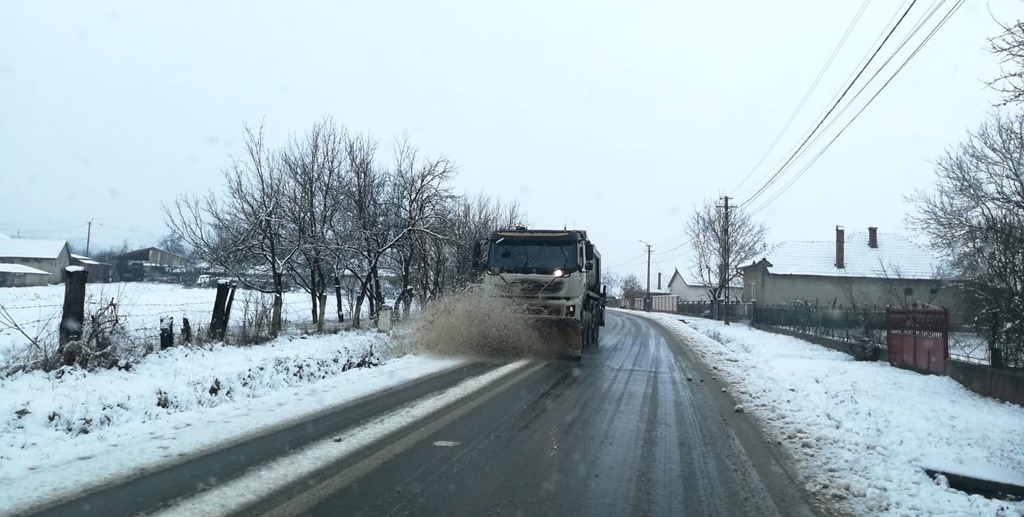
(918, 339)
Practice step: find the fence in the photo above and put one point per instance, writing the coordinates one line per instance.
(918, 339)
(706, 309)
(867, 325)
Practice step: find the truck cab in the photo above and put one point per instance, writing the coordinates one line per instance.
(554, 274)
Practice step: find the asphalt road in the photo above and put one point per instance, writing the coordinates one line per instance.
(621, 433)
(152, 490)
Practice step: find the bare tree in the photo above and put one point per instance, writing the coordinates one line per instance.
(975, 216)
(363, 233)
(243, 230)
(1009, 46)
(720, 247)
(314, 168)
(631, 288)
(421, 195)
(173, 243)
(106, 254)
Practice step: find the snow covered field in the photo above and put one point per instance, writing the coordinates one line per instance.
(58, 431)
(863, 432)
(37, 309)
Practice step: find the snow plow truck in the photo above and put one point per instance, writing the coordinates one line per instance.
(556, 277)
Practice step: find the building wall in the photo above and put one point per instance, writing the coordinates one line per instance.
(689, 293)
(664, 303)
(22, 280)
(55, 267)
(157, 256)
(693, 293)
(766, 288)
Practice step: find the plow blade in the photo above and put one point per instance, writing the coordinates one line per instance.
(560, 335)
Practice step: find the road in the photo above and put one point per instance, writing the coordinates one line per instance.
(623, 432)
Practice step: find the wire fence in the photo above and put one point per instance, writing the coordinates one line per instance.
(706, 309)
(866, 325)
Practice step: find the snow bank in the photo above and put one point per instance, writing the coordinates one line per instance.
(862, 432)
(63, 428)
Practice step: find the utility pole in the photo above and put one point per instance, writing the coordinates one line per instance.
(724, 282)
(88, 238)
(647, 294)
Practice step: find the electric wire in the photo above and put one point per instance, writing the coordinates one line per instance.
(804, 169)
(920, 24)
(760, 191)
(807, 94)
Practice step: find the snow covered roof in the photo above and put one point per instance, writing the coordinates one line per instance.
(85, 260)
(895, 257)
(22, 269)
(31, 248)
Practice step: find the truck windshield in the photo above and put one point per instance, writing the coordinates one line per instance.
(511, 254)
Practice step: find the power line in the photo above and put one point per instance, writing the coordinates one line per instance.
(666, 252)
(835, 104)
(928, 38)
(807, 94)
(630, 261)
(924, 19)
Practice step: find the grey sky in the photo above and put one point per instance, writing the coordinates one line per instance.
(616, 117)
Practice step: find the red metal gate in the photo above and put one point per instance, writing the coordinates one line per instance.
(918, 339)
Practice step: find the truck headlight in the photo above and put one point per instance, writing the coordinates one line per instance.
(570, 310)
(558, 273)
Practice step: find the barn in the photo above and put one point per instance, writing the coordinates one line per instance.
(33, 261)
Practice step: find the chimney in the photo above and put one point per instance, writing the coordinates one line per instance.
(659, 281)
(872, 237)
(840, 242)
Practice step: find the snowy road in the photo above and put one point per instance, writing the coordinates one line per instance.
(623, 433)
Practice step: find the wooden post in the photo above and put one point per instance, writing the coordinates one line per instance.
(227, 309)
(166, 332)
(73, 316)
(186, 331)
(218, 311)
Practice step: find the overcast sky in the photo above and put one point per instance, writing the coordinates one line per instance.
(615, 117)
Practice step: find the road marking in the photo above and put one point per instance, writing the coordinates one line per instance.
(248, 490)
(445, 443)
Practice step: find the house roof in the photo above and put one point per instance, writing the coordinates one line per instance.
(31, 248)
(895, 257)
(86, 260)
(22, 269)
(145, 251)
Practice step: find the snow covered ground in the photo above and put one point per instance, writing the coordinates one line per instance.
(60, 430)
(863, 432)
(37, 310)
